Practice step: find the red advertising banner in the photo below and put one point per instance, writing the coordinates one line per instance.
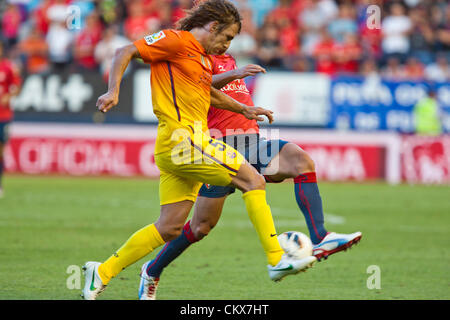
(81, 157)
(129, 151)
(344, 162)
(425, 159)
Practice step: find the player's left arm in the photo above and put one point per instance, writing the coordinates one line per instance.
(221, 100)
(222, 79)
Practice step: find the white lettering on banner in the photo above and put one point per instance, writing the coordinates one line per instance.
(53, 103)
(45, 148)
(8, 158)
(372, 91)
(146, 160)
(426, 159)
(408, 94)
(367, 121)
(75, 158)
(402, 120)
(338, 164)
(51, 95)
(76, 92)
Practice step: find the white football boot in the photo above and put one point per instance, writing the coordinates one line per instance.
(93, 285)
(335, 242)
(148, 285)
(289, 265)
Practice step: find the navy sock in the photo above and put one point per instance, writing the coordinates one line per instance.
(1, 171)
(310, 203)
(171, 251)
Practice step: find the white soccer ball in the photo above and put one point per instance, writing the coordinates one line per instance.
(296, 244)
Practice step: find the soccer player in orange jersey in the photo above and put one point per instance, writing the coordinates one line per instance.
(181, 77)
(276, 159)
(10, 81)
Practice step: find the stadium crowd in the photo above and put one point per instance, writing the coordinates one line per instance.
(410, 39)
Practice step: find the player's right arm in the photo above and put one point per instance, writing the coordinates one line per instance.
(222, 79)
(121, 60)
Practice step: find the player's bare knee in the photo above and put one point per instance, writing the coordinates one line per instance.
(303, 163)
(202, 230)
(249, 179)
(169, 233)
(257, 182)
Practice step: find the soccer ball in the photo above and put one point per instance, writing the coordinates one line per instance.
(296, 244)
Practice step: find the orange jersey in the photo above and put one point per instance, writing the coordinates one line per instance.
(181, 76)
(224, 120)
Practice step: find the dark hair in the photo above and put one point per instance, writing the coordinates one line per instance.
(222, 11)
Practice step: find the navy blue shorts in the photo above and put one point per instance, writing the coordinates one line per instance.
(4, 132)
(256, 150)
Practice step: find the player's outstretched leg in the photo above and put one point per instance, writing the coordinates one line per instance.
(93, 285)
(207, 212)
(252, 184)
(335, 242)
(141, 243)
(151, 270)
(293, 162)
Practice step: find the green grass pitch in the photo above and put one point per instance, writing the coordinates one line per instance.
(49, 226)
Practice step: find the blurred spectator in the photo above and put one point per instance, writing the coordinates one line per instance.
(179, 11)
(369, 69)
(105, 49)
(40, 16)
(86, 41)
(396, 28)
(314, 16)
(414, 69)
(393, 70)
(165, 17)
(438, 71)
(443, 30)
(371, 42)
(138, 24)
(269, 53)
(284, 11)
(59, 41)
(243, 47)
(427, 115)
(11, 21)
(422, 36)
(261, 8)
(324, 54)
(348, 54)
(344, 24)
(111, 11)
(283, 34)
(34, 51)
(59, 38)
(57, 12)
(10, 82)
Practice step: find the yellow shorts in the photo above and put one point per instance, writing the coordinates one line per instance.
(196, 160)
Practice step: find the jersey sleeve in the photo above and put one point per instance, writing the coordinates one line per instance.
(161, 46)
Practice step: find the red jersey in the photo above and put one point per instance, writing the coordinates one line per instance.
(221, 120)
(9, 78)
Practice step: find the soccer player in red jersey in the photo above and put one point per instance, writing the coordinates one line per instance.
(277, 160)
(9, 87)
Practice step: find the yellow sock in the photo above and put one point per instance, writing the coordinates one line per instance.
(261, 218)
(140, 244)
